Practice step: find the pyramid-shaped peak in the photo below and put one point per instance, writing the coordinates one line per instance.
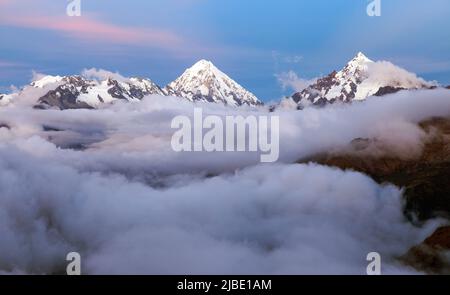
(202, 64)
(361, 57)
(205, 82)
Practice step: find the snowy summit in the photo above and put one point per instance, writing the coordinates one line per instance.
(205, 82)
(360, 78)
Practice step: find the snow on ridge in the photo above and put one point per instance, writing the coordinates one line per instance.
(41, 82)
(360, 78)
(205, 82)
(94, 87)
(91, 89)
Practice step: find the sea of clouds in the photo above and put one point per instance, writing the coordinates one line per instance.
(106, 183)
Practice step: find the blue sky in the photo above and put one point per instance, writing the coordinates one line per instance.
(252, 41)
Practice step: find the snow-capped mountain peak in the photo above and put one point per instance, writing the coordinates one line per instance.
(360, 78)
(81, 92)
(43, 81)
(205, 82)
(355, 67)
(360, 58)
(201, 65)
(96, 87)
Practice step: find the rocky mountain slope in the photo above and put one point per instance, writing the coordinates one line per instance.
(359, 79)
(78, 92)
(202, 82)
(424, 176)
(431, 256)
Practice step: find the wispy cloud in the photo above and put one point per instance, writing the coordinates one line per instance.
(9, 64)
(290, 80)
(88, 28)
(100, 74)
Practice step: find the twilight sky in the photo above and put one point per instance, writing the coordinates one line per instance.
(252, 41)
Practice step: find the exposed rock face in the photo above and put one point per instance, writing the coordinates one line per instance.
(135, 88)
(77, 92)
(359, 79)
(202, 82)
(425, 176)
(388, 90)
(63, 97)
(66, 95)
(433, 255)
(4, 125)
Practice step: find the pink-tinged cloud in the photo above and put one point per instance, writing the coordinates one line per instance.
(9, 64)
(84, 27)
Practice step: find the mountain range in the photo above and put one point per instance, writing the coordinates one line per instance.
(359, 79)
(202, 82)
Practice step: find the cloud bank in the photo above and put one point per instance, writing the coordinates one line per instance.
(270, 220)
(105, 183)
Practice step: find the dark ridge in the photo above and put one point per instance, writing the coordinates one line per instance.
(115, 91)
(430, 256)
(388, 90)
(62, 98)
(47, 128)
(4, 125)
(75, 147)
(424, 178)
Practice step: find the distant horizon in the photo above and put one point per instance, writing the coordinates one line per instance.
(81, 73)
(163, 38)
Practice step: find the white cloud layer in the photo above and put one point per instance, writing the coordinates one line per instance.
(129, 204)
(101, 75)
(384, 72)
